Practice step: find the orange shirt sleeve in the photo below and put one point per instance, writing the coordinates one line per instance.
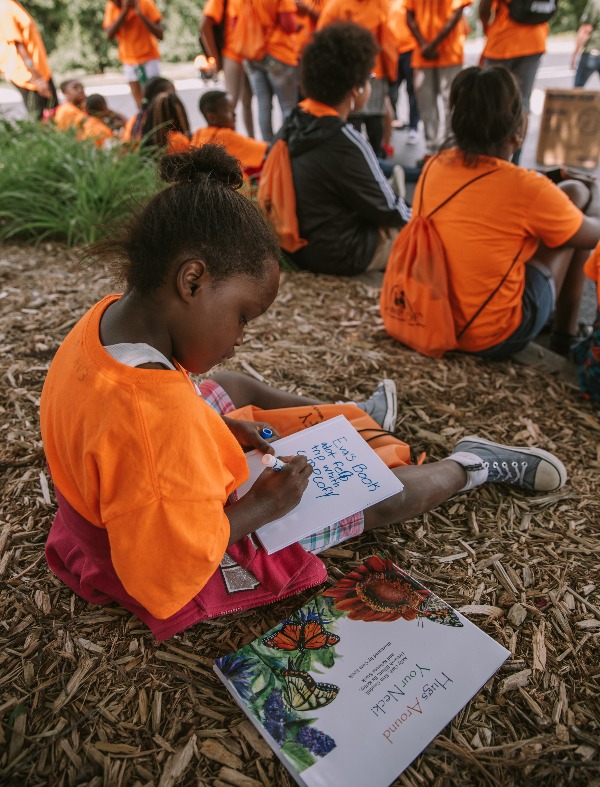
(95, 129)
(552, 216)
(214, 9)
(111, 12)
(249, 152)
(150, 10)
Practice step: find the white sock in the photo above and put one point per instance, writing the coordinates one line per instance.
(475, 469)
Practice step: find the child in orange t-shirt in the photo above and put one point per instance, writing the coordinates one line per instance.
(145, 469)
(136, 25)
(514, 242)
(72, 114)
(219, 110)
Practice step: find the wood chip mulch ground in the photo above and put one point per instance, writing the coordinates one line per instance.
(87, 697)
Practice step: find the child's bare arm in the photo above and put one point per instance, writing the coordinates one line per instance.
(155, 28)
(112, 30)
(41, 85)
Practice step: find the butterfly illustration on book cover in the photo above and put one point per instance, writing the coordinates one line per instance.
(303, 631)
(302, 693)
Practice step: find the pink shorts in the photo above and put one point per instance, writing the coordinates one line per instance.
(350, 527)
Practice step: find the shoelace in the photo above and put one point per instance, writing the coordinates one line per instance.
(502, 471)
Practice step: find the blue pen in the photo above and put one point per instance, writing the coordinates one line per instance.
(266, 432)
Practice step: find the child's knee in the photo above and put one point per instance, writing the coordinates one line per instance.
(577, 192)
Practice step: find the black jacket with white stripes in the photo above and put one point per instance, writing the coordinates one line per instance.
(342, 196)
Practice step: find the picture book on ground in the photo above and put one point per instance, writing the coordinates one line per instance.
(354, 685)
(348, 476)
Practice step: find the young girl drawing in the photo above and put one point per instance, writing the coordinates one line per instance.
(145, 468)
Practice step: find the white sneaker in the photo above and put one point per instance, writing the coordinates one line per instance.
(413, 136)
(382, 406)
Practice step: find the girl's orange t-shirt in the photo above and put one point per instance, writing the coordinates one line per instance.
(138, 453)
(482, 230)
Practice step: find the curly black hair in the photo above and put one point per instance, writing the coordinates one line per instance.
(209, 101)
(202, 214)
(486, 109)
(340, 57)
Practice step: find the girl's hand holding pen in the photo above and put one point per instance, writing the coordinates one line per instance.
(273, 494)
(281, 490)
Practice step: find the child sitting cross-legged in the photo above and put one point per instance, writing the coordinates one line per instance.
(72, 114)
(145, 464)
(219, 110)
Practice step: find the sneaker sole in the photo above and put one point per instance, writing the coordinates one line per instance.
(538, 452)
(391, 400)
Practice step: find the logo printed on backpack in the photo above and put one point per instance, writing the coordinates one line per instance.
(401, 309)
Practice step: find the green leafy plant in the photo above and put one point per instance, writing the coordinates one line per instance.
(53, 186)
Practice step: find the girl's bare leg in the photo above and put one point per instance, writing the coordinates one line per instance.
(243, 390)
(425, 487)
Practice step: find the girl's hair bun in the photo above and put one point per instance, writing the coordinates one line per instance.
(206, 161)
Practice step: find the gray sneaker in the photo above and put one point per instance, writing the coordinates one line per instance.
(531, 469)
(382, 406)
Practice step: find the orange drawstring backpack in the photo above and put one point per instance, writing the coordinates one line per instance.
(415, 295)
(277, 197)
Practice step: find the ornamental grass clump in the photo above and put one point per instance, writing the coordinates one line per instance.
(54, 187)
